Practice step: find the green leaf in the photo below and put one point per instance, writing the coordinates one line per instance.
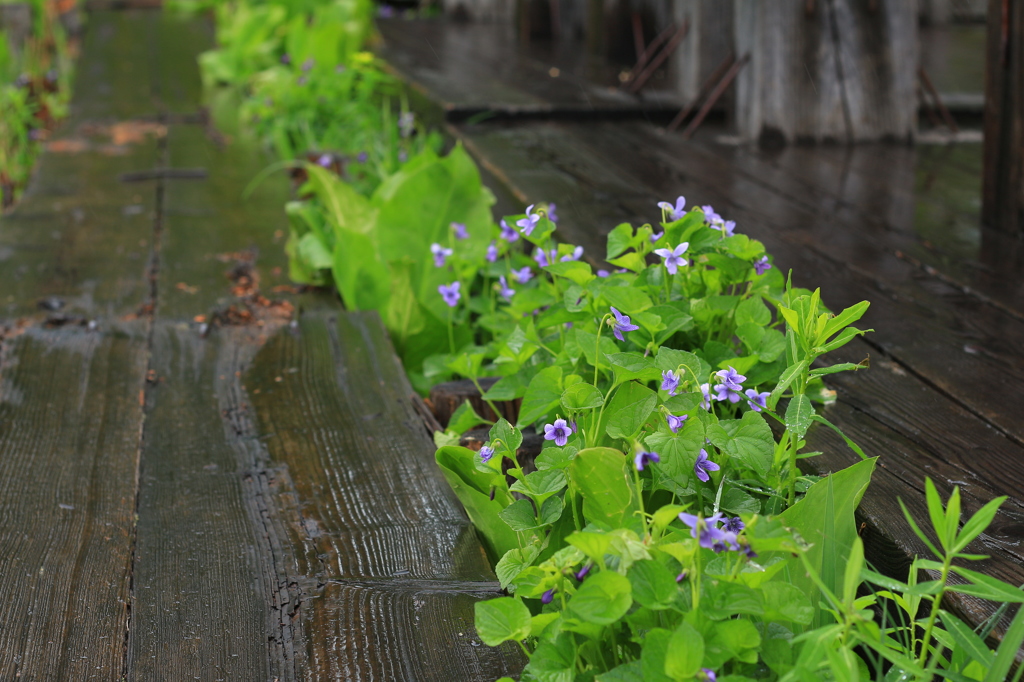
(844, 338)
(851, 575)
(600, 476)
(473, 490)
(574, 271)
(977, 524)
(520, 516)
(551, 510)
(799, 416)
(685, 652)
(629, 409)
(501, 620)
(967, 640)
(783, 601)
(1008, 648)
(824, 518)
(464, 418)
(313, 251)
(588, 344)
(749, 440)
(654, 586)
(627, 300)
(619, 240)
(553, 661)
(629, 366)
(581, 396)
(789, 375)
(594, 545)
(652, 656)
(509, 437)
(696, 370)
(513, 563)
(843, 319)
(627, 672)
(540, 484)
(773, 344)
(753, 311)
(542, 395)
(631, 261)
(602, 599)
(987, 587)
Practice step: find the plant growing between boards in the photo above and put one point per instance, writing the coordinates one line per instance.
(665, 530)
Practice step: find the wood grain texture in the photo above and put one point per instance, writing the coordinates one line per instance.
(834, 69)
(69, 425)
(381, 544)
(203, 586)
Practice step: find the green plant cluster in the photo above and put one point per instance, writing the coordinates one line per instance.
(35, 82)
(665, 531)
(296, 74)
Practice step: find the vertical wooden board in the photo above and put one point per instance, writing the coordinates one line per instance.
(202, 581)
(207, 220)
(334, 405)
(81, 235)
(70, 419)
(423, 633)
(115, 77)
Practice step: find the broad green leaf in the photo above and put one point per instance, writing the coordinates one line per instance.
(631, 261)
(553, 661)
(727, 599)
(600, 476)
(783, 601)
(602, 599)
(542, 395)
(799, 415)
(627, 672)
(473, 489)
(594, 545)
(773, 345)
(540, 484)
(574, 271)
(501, 620)
(652, 656)
(588, 343)
(313, 251)
(515, 562)
(509, 436)
(581, 396)
(629, 366)
(696, 370)
(753, 311)
(685, 652)
(520, 516)
(464, 418)
(824, 518)
(654, 586)
(749, 440)
(629, 409)
(619, 240)
(626, 300)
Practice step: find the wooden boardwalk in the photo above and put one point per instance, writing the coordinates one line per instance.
(894, 225)
(207, 475)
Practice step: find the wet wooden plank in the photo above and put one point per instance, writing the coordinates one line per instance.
(469, 69)
(115, 76)
(203, 586)
(384, 543)
(70, 417)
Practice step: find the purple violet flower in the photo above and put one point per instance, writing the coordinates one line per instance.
(644, 458)
(582, 573)
(558, 432)
(762, 265)
(622, 324)
(708, 675)
(544, 258)
(726, 226)
(673, 257)
(440, 254)
(286, 59)
(706, 402)
(450, 293)
(603, 273)
(402, 156)
(670, 382)
(308, 64)
(703, 465)
(507, 233)
(506, 292)
(674, 212)
(523, 275)
(486, 452)
(709, 214)
(325, 161)
(363, 157)
(385, 11)
(733, 525)
(527, 224)
(552, 216)
(576, 254)
(492, 253)
(732, 384)
(705, 529)
(655, 236)
(675, 423)
(548, 596)
(460, 231)
(757, 401)
(681, 577)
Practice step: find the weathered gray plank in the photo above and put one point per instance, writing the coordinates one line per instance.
(70, 417)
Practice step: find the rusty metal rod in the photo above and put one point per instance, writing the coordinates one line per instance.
(649, 52)
(705, 87)
(715, 95)
(649, 70)
(946, 116)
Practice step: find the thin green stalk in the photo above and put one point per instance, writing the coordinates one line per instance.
(936, 602)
